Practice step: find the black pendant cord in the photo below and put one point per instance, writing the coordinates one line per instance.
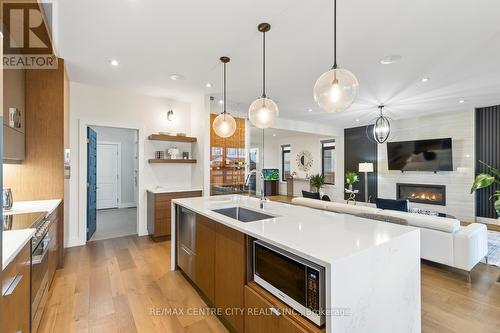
(264, 65)
(334, 34)
(224, 106)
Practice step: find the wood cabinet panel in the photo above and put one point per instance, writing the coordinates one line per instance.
(53, 250)
(205, 256)
(16, 293)
(159, 212)
(257, 317)
(230, 274)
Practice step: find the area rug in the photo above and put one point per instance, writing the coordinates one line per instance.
(493, 248)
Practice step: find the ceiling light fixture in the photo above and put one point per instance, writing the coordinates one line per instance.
(425, 79)
(336, 89)
(114, 62)
(176, 77)
(221, 101)
(310, 110)
(263, 111)
(224, 124)
(208, 85)
(382, 127)
(390, 59)
(461, 101)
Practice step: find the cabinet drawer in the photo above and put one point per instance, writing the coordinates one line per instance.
(16, 293)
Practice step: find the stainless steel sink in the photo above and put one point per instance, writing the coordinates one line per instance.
(243, 214)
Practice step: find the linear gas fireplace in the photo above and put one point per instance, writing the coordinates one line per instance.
(422, 193)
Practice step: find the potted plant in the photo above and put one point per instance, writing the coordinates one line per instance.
(484, 180)
(351, 177)
(317, 181)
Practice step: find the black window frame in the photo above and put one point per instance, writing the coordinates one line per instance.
(323, 149)
(285, 149)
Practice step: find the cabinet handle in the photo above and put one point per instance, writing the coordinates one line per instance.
(12, 286)
(275, 310)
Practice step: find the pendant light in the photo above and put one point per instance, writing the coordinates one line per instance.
(224, 124)
(336, 89)
(263, 111)
(382, 127)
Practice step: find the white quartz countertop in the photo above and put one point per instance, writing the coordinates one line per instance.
(173, 189)
(13, 242)
(22, 207)
(320, 236)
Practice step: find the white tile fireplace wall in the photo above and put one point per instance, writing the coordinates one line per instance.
(459, 125)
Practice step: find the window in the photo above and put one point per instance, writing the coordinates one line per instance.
(328, 161)
(285, 162)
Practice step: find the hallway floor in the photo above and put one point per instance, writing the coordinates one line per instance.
(113, 223)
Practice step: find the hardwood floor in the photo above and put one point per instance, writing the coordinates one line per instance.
(124, 285)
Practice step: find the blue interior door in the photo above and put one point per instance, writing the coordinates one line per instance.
(91, 181)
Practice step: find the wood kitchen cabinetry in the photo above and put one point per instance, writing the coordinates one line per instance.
(265, 313)
(205, 257)
(230, 274)
(16, 293)
(159, 210)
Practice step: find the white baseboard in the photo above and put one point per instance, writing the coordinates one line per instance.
(127, 205)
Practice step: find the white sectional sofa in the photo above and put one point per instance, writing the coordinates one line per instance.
(442, 240)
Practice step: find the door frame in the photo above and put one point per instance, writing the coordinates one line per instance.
(141, 228)
(119, 170)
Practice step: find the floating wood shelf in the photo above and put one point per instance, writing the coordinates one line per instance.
(172, 138)
(155, 160)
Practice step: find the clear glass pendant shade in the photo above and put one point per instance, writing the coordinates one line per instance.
(336, 90)
(224, 125)
(263, 112)
(381, 129)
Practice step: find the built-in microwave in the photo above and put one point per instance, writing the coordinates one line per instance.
(298, 282)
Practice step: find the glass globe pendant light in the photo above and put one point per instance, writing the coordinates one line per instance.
(263, 111)
(336, 89)
(382, 127)
(224, 124)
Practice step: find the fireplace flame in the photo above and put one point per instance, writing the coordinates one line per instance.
(423, 196)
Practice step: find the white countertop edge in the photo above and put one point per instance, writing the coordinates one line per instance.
(13, 242)
(173, 189)
(24, 207)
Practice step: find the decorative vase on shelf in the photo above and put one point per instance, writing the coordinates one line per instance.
(173, 152)
(350, 187)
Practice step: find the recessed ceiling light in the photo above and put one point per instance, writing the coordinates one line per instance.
(176, 77)
(274, 134)
(208, 85)
(357, 120)
(114, 62)
(309, 110)
(461, 101)
(425, 79)
(221, 101)
(390, 59)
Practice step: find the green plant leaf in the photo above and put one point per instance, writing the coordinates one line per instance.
(491, 169)
(497, 205)
(482, 180)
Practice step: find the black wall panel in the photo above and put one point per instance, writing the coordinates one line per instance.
(358, 148)
(488, 151)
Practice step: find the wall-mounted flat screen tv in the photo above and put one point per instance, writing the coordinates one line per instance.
(420, 155)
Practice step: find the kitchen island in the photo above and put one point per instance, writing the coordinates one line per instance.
(372, 269)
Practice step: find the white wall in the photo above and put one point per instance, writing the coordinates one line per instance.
(298, 142)
(98, 106)
(128, 142)
(458, 125)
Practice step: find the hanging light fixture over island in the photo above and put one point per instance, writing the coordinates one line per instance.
(382, 127)
(336, 89)
(263, 112)
(224, 124)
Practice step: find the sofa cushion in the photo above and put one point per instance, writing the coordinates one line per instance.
(427, 221)
(312, 203)
(311, 195)
(399, 205)
(350, 209)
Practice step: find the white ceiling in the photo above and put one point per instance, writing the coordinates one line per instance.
(455, 43)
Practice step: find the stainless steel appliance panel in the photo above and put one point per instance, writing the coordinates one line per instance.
(186, 241)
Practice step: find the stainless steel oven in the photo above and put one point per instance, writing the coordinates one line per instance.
(39, 274)
(298, 282)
